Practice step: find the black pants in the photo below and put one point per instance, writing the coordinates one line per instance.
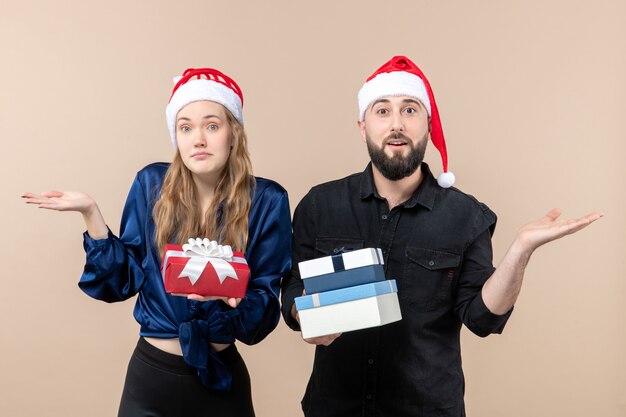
(159, 384)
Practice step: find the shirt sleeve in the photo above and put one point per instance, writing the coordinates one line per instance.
(269, 257)
(113, 270)
(303, 249)
(477, 267)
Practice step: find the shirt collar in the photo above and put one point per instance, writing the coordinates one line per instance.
(424, 195)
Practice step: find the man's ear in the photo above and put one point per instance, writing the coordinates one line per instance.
(361, 125)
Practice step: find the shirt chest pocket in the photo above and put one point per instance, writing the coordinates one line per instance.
(327, 246)
(426, 283)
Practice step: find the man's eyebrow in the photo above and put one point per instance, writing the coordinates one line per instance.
(380, 100)
(406, 100)
(412, 100)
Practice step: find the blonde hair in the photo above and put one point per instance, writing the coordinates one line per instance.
(177, 213)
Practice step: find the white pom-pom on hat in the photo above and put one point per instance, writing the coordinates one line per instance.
(446, 179)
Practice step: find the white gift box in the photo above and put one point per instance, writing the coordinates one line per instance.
(340, 262)
(351, 315)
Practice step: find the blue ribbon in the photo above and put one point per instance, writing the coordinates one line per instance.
(195, 336)
(337, 258)
(338, 263)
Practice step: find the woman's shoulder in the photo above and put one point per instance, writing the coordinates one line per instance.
(268, 189)
(152, 173)
(270, 204)
(155, 168)
(149, 179)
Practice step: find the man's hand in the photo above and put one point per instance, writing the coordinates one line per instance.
(322, 340)
(503, 287)
(549, 228)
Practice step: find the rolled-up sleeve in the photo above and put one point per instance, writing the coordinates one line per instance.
(113, 270)
(477, 267)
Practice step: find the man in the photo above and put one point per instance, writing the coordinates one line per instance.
(436, 243)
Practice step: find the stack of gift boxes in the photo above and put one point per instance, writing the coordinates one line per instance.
(346, 292)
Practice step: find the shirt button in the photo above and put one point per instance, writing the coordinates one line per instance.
(384, 217)
(370, 361)
(368, 396)
(431, 263)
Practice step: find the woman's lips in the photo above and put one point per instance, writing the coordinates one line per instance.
(200, 155)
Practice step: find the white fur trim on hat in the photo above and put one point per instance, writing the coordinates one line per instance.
(198, 90)
(397, 83)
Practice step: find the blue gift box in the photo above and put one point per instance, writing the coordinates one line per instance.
(343, 279)
(346, 294)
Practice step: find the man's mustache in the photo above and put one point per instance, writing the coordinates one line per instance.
(396, 136)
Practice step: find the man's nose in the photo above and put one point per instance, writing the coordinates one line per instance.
(397, 124)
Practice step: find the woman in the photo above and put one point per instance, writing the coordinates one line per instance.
(186, 362)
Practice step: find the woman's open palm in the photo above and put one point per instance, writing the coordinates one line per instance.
(61, 200)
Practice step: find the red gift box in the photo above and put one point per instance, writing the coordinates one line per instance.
(185, 272)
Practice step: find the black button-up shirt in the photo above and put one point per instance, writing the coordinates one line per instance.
(437, 246)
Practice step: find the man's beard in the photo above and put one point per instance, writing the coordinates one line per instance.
(397, 167)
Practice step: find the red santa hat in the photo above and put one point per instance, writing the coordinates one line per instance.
(197, 84)
(401, 77)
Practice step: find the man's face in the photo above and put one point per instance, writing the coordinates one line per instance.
(396, 131)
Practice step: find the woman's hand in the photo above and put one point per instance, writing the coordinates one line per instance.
(62, 201)
(233, 302)
(72, 201)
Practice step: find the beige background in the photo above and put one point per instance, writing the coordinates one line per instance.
(532, 96)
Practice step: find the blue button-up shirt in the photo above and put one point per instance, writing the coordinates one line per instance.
(119, 268)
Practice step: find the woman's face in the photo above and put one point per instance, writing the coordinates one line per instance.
(203, 136)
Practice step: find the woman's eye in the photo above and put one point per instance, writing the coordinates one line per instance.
(381, 111)
(213, 127)
(185, 128)
(410, 110)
